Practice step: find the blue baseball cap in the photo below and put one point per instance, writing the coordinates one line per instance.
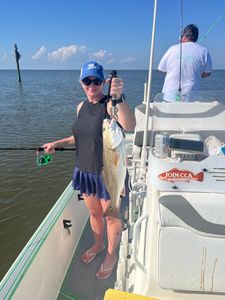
(92, 68)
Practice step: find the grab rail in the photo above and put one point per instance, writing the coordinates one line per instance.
(135, 239)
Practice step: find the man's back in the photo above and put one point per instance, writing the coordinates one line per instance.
(195, 61)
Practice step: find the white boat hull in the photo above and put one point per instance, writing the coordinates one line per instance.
(39, 270)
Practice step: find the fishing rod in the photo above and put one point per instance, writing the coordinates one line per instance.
(112, 74)
(149, 87)
(35, 149)
(42, 160)
(114, 109)
(178, 95)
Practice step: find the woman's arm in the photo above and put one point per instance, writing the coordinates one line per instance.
(50, 147)
(125, 115)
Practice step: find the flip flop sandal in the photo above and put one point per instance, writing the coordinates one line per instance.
(103, 274)
(89, 255)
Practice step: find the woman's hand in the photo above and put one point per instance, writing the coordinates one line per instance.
(49, 147)
(116, 87)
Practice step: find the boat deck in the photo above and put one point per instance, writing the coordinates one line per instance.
(80, 282)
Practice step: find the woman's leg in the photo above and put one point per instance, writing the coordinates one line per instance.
(114, 229)
(97, 226)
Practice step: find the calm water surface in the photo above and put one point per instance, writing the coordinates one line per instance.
(40, 110)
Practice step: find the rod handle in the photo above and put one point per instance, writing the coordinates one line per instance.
(112, 75)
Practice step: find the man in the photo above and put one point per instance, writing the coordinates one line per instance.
(195, 64)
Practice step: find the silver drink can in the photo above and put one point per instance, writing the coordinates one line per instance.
(162, 144)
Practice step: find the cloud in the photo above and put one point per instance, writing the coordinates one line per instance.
(64, 53)
(39, 53)
(111, 61)
(128, 60)
(4, 58)
(100, 54)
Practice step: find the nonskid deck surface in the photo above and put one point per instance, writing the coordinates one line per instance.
(80, 282)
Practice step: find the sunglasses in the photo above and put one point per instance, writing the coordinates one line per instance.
(96, 81)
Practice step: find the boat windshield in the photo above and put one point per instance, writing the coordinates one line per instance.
(200, 96)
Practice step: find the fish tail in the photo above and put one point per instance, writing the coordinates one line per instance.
(112, 212)
(123, 192)
(200, 176)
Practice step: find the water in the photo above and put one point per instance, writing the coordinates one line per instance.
(40, 110)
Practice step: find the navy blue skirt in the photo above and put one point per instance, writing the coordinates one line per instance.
(89, 183)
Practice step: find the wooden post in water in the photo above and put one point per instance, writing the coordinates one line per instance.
(17, 55)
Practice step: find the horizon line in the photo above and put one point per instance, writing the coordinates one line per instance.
(79, 70)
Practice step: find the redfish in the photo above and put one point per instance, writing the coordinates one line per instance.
(114, 164)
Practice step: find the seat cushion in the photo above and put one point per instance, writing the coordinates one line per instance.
(191, 243)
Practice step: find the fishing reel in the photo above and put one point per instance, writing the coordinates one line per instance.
(46, 158)
(43, 160)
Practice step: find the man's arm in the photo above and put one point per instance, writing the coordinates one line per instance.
(204, 74)
(208, 67)
(162, 67)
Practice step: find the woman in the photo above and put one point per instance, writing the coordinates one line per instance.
(87, 136)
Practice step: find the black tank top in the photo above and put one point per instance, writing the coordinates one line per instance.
(87, 131)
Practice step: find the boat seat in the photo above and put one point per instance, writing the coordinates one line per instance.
(191, 242)
(189, 117)
(138, 139)
(204, 119)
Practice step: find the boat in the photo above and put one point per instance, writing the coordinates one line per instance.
(173, 242)
(177, 222)
(49, 266)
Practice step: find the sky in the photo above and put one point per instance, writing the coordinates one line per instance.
(64, 34)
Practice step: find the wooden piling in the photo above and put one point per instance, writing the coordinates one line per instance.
(17, 55)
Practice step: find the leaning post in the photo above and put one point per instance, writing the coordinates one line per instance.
(17, 55)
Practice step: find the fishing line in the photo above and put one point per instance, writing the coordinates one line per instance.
(212, 26)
